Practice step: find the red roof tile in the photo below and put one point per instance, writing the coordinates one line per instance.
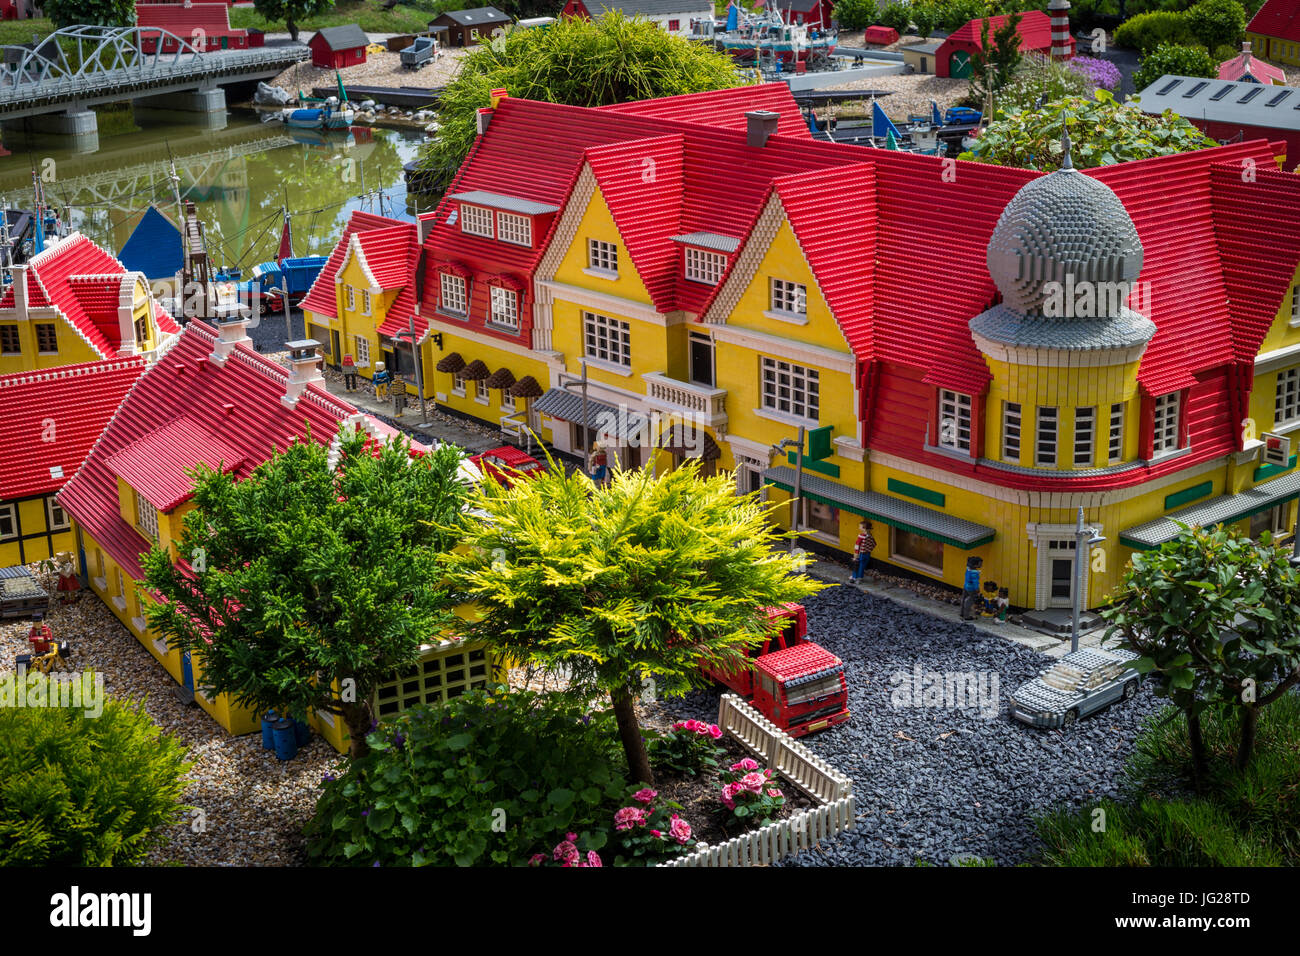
(386, 252)
(1277, 18)
(156, 464)
(320, 297)
(52, 418)
(1035, 30)
(1239, 66)
(182, 19)
(724, 109)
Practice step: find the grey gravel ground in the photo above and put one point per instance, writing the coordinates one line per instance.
(937, 782)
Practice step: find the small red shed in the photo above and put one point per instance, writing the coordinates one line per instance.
(953, 57)
(880, 35)
(337, 47)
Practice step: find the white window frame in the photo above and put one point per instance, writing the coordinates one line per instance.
(365, 301)
(508, 405)
(476, 221)
(606, 339)
(350, 295)
(9, 516)
(802, 387)
(1012, 417)
(51, 507)
(482, 394)
(504, 306)
(146, 516)
(514, 229)
(1166, 423)
(1295, 305)
(1286, 398)
(458, 384)
(362, 349)
(1115, 444)
(602, 256)
(452, 287)
(1047, 424)
(955, 407)
(704, 265)
(788, 298)
(1085, 436)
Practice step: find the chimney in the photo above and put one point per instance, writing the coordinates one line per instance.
(20, 291)
(304, 356)
(484, 117)
(759, 126)
(232, 330)
(1245, 56)
(1059, 13)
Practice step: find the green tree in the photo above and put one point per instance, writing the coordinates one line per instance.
(292, 12)
(996, 60)
(625, 589)
(1217, 616)
(1217, 23)
(110, 13)
(856, 14)
(926, 16)
(1172, 58)
(897, 16)
(1103, 133)
(579, 62)
(306, 574)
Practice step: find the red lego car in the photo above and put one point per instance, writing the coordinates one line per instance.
(506, 463)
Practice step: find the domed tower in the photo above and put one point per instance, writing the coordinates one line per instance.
(1063, 346)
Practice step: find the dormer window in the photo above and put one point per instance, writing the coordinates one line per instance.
(954, 420)
(453, 294)
(1165, 432)
(1295, 305)
(514, 229)
(704, 266)
(476, 221)
(146, 517)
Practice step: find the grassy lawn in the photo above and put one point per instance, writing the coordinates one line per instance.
(367, 15)
(20, 31)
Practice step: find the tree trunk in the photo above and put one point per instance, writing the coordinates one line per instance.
(1195, 738)
(293, 30)
(638, 761)
(1246, 745)
(358, 720)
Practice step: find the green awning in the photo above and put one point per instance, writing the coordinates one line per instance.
(907, 515)
(1224, 509)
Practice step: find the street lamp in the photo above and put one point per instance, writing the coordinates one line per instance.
(797, 500)
(1082, 536)
(419, 371)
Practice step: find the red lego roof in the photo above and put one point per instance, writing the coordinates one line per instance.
(235, 408)
(320, 297)
(1035, 30)
(70, 404)
(181, 19)
(724, 109)
(386, 252)
(805, 658)
(1277, 18)
(1240, 65)
(883, 35)
(156, 464)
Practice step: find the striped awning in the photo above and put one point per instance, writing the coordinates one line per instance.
(1224, 509)
(908, 515)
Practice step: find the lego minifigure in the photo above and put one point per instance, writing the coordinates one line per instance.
(599, 464)
(1004, 599)
(69, 584)
(399, 395)
(349, 372)
(990, 602)
(862, 549)
(381, 378)
(40, 636)
(970, 591)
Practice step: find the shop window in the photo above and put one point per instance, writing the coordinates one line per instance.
(822, 518)
(907, 547)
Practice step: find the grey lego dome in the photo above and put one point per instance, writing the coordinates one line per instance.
(1064, 227)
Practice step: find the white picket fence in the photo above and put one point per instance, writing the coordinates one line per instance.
(802, 769)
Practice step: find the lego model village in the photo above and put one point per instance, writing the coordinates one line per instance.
(865, 438)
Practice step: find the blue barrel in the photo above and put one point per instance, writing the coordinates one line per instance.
(268, 725)
(301, 732)
(286, 742)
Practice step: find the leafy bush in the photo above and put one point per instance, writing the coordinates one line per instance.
(856, 14)
(898, 16)
(955, 13)
(467, 783)
(66, 13)
(1217, 23)
(1172, 58)
(1103, 132)
(690, 747)
(749, 794)
(1147, 31)
(77, 790)
(926, 16)
(647, 830)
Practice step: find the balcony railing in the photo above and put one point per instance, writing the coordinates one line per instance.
(708, 404)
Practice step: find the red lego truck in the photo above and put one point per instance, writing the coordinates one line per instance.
(794, 682)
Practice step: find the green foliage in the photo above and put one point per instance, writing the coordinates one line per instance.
(1102, 132)
(333, 572)
(109, 13)
(688, 749)
(1036, 75)
(856, 14)
(1147, 31)
(750, 795)
(996, 60)
(371, 17)
(1217, 23)
(898, 16)
(291, 13)
(429, 791)
(1172, 58)
(926, 17)
(1249, 818)
(77, 790)
(579, 62)
(653, 833)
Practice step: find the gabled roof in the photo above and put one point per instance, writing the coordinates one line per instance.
(1277, 18)
(156, 465)
(476, 16)
(724, 109)
(1222, 101)
(183, 19)
(648, 8)
(385, 254)
(347, 37)
(1035, 30)
(320, 297)
(799, 6)
(1247, 64)
(233, 408)
(77, 401)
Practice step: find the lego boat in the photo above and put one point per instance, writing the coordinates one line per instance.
(755, 38)
(325, 117)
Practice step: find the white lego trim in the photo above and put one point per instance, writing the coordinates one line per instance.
(777, 346)
(563, 234)
(625, 308)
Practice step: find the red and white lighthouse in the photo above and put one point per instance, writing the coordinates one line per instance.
(1059, 13)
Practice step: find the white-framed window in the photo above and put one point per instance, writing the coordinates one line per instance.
(146, 516)
(365, 301)
(507, 402)
(1165, 432)
(606, 339)
(704, 266)
(1045, 437)
(1295, 305)
(1115, 447)
(482, 394)
(505, 307)
(514, 229)
(602, 256)
(1011, 432)
(1085, 436)
(954, 420)
(791, 297)
(458, 384)
(8, 522)
(57, 519)
(1286, 404)
(476, 221)
(790, 389)
(350, 294)
(362, 351)
(453, 293)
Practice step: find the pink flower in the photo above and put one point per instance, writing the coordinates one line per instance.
(629, 817)
(658, 834)
(753, 782)
(773, 792)
(747, 764)
(571, 837)
(537, 859)
(680, 829)
(645, 795)
(715, 731)
(593, 858)
(566, 851)
(729, 792)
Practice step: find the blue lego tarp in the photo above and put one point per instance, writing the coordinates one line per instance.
(154, 248)
(881, 125)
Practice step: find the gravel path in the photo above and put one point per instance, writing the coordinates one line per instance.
(936, 782)
(380, 69)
